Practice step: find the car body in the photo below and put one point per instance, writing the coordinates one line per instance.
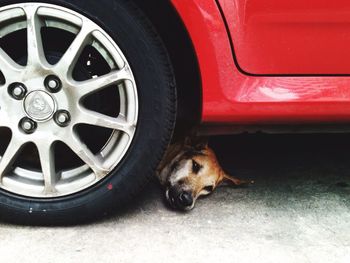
(271, 62)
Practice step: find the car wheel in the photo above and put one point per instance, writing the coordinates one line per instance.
(87, 107)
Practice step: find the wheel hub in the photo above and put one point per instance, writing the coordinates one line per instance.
(39, 106)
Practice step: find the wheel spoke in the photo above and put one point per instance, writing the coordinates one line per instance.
(69, 59)
(10, 155)
(84, 153)
(47, 161)
(36, 54)
(7, 65)
(3, 120)
(84, 88)
(97, 119)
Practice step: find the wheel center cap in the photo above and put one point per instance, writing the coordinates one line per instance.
(39, 105)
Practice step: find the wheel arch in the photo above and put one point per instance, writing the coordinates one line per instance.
(184, 60)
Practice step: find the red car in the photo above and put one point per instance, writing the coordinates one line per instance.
(91, 90)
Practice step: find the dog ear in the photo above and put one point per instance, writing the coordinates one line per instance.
(235, 181)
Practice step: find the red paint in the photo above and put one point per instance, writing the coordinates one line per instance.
(290, 37)
(110, 187)
(232, 97)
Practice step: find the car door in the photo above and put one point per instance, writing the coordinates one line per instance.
(290, 37)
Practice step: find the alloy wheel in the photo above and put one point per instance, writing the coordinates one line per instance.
(55, 95)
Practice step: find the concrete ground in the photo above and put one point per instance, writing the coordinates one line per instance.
(298, 211)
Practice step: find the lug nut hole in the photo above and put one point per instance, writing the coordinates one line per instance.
(62, 118)
(27, 125)
(53, 84)
(17, 91)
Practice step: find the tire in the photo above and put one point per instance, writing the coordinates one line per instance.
(156, 111)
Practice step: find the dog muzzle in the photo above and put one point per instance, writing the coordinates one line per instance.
(182, 200)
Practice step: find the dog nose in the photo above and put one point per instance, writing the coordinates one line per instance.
(185, 199)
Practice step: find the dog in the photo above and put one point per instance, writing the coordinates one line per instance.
(190, 169)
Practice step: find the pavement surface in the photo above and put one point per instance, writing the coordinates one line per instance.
(298, 211)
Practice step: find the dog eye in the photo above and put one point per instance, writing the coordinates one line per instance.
(209, 189)
(196, 167)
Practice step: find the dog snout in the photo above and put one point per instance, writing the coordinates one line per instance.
(185, 200)
(173, 193)
(180, 199)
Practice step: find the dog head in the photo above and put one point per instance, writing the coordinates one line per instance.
(193, 172)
